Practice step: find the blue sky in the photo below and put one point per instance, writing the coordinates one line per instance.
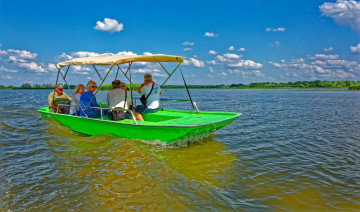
(222, 42)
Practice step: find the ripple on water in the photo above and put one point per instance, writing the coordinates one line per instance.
(290, 150)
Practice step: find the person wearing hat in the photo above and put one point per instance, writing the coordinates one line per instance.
(59, 97)
(152, 91)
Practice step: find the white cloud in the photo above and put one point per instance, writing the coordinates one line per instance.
(211, 69)
(7, 77)
(187, 49)
(277, 44)
(344, 13)
(212, 62)
(210, 34)
(280, 29)
(51, 67)
(212, 52)
(320, 65)
(355, 49)
(246, 64)
(32, 66)
(325, 56)
(328, 49)
(153, 71)
(2, 68)
(109, 25)
(124, 53)
(64, 56)
(211, 76)
(241, 50)
(194, 62)
(186, 43)
(231, 48)
(3, 53)
(23, 54)
(228, 57)
(15, 59)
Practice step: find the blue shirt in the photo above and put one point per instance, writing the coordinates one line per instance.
(84, 101)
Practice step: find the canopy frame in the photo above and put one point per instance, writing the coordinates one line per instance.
(128, 71)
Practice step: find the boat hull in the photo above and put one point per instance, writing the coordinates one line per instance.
(166, 126)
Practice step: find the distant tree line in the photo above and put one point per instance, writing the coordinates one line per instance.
(36, 86)
(297, 84)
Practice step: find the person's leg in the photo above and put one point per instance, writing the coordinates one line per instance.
(138, 116)
(93, 113)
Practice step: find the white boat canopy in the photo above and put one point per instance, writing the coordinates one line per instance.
(112, 60)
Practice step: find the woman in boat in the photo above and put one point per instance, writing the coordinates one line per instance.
(79, 90)
(152, 91)
(59, 97)
(118, 98)
(88, 99)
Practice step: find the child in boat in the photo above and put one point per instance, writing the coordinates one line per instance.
(152, 92)
(59, 97)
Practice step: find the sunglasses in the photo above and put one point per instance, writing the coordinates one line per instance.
(123, 86)
(94, 86)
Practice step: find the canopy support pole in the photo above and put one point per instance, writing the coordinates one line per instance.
(66, 71)
(170, 75)
(131, 93)
(130, 63)
(99, 86)
(126, 76)
(117, 72)
(72, 94)
(57, 78)
(164, 68)
(98, 72)
(192, 103)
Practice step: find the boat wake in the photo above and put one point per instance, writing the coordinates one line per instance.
(185, 141)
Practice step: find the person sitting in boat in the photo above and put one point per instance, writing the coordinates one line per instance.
(151, 92)
(79, 90)
(118, 98)
(59, 97)
(123, 86)
(87, 100)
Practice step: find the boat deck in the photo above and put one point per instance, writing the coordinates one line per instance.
(174, 118)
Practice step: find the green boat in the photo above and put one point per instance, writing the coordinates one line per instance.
(165, 125)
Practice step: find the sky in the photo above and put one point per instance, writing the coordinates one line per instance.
(222, 42)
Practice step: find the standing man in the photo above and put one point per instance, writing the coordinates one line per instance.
(152, 91)
(59, 97)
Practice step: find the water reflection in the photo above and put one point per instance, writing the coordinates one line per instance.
(130, 174)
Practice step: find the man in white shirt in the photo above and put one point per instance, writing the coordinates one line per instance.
(116, 97)
(152, 91)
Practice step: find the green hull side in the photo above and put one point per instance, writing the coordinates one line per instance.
(130, 131)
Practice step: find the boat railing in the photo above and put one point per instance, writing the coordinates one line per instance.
(99, 108)
(175, 100)
(180, 100)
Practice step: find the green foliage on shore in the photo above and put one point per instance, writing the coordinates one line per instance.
(353, 85)
(128, 86)
(274, 85)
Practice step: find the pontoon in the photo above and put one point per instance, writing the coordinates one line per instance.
(165, 125)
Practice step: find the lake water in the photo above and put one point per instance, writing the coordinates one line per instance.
(290, 150)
